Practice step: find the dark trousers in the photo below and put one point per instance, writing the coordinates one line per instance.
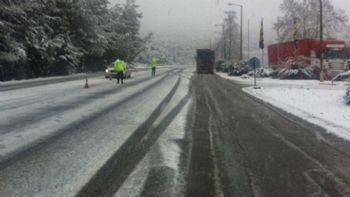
(120, 76)
(153, 71)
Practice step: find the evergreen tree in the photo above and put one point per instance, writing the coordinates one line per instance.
(58, 37)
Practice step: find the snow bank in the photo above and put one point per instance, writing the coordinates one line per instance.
(277, 82)
(323, 107)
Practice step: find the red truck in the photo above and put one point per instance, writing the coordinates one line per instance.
(335, 54)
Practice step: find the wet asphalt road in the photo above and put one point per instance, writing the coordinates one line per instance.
(241, 147)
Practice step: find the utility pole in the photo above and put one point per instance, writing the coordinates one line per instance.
(241, 41)
(321, 41)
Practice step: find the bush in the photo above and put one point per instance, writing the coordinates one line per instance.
(296, 73)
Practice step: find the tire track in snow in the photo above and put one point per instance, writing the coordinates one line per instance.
(113, 174)
(45, 112)
(9, 156)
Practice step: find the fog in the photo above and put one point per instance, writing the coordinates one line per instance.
(196, 19)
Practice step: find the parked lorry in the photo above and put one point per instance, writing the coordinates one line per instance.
(308, 51)
(205, 59)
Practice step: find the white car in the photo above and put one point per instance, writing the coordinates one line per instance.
(110, 72)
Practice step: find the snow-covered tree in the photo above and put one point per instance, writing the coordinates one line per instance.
(122, 32)
(303, 17)
(230, 37)
(58, 37)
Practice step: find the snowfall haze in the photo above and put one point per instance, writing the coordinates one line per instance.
(196, 19)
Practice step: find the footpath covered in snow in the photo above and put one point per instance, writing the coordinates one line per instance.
(320, 103)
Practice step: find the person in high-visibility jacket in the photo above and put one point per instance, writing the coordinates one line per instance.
(154, 63)
(119, 68)
(124, 65)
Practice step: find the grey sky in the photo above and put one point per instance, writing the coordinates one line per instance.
(200, 16)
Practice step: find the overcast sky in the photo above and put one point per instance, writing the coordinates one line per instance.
(200, 16)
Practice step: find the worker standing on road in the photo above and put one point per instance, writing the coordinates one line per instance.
(119, 67)
(124, 65)
(154, 63)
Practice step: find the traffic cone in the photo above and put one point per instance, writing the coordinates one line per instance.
(86, 83)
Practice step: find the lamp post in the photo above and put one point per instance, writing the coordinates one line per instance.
(224, 38)
(321, 41)
(241, 41)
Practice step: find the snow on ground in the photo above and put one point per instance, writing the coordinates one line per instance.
(276, 82)
(40, 105)
(319, 103)
(166, 151)
(51, 171)
(13, 82)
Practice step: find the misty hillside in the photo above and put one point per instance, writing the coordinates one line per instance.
(169, 49)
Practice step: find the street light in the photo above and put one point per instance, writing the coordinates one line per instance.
(321, 41)
(224, 38)
(241, 42)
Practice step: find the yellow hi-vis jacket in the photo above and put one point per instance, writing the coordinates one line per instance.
(119, 66)
(154, 62)
(124, 65)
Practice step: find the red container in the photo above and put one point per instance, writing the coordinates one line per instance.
(279, 53)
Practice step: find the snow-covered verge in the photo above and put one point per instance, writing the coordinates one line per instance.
(322, 107)
(276, 82)
(321, 104)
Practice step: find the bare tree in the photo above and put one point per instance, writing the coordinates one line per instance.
(301, 20)
(230, 36)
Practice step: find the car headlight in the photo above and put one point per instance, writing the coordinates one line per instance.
(107, 71)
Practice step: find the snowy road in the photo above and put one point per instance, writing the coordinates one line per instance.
(176, 134)
(58, 138)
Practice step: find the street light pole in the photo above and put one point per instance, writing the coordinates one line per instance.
(321, 41)
(241, 42)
